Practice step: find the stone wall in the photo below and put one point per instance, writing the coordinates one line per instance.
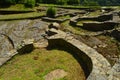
(25, 47)
(105, 17)
(100, 66)
(104, 22)
(53, 20)
(73, 21)
(64, 14)
(99, 26)
(100, 18)
(116, 34)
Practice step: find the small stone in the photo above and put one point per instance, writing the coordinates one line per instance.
(54, 25)
(56, 74)
(95, 47)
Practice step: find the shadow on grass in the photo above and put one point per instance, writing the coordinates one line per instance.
(4, 5)
(7, 12)
(31, 18)
(84, 61)
(26, 49)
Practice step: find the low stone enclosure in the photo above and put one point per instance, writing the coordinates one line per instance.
(53, 20)
(99, 26)
(95, 66)
(60, 13)
(104, 21)
(48, 19)
(116, 34)
(98, 23)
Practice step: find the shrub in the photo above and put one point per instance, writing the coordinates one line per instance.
(73, 2)
(38, 1)
(9, 1)
(62, 2)
(90, 3)
(30, 3)
(51, 12)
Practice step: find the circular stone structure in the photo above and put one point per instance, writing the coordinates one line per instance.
(95, 66)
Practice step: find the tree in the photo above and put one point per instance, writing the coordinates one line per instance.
(73, 2)
(49, 1)
(30, 3)
(51, 12)
(10, 1)
(39, 1)
(61, 2)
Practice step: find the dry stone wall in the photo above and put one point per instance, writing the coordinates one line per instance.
(99, 26)
(98, 23)
(99, 67)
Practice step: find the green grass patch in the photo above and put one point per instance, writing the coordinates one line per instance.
(35, 65)
(96, 13)
(64, 17)
(17, 7)
(22, 16)
(71, 6)
(73, 29)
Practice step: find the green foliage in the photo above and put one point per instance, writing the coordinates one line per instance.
(51, 12)
(30, 3)
(90, 3)
(62, 2)
(10, 1)
(28, 68)
(39, 1)
(49, 1)
(20, 1)
(73, 2)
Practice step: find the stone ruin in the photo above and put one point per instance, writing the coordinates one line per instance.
(95, 66)
(98, 23)
(61, 13)
(106, 20)
(24, 36)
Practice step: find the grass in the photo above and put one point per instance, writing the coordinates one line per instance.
(20, 7)
(65, 25)
(96, 13)
(17, 7)
(64, 17)
(76, 30)
(71, 6)
(35, 65)
(22, 16)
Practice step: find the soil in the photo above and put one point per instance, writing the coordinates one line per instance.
(105, 45)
